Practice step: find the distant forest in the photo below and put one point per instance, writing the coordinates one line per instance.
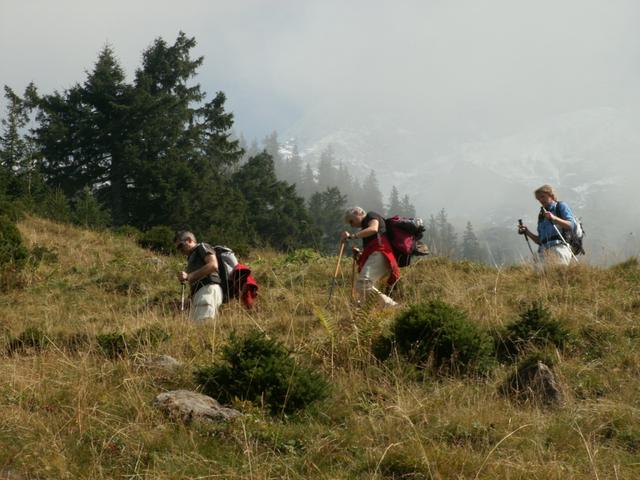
(158, 154)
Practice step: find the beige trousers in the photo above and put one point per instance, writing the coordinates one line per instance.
(375, 268)
(205, 303)
(557, 255)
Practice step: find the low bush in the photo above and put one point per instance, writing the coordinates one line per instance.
(14, 210)
(439, 334)
(30, 338)
(128, 231)
(535, 328)
(159, 239)
(41, 253)
(12, 249)
(261, 370)
(113, 345)
(302, 256)
(118, 344)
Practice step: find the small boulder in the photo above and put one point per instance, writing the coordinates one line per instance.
(187, 406)
(160, 362)
(534, 382)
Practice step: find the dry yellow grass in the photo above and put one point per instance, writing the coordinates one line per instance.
(74, 413)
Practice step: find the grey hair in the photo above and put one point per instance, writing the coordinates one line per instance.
(353, 212)
(182, 235)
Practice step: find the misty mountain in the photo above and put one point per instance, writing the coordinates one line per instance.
(590, 156)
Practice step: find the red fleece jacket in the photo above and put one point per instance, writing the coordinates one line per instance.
(382, 245)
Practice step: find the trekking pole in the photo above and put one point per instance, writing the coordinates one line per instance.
(182, 299)
(353, 276)
(562, 237)
(535, 257)
(335, 275)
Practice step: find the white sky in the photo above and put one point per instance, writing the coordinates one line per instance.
(481, 63)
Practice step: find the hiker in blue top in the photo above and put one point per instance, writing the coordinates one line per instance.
(556, 224)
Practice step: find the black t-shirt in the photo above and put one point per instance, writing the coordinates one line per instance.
(196, 260)
(382, 228)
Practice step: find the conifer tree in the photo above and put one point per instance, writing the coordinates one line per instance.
(448, 239)
(345, 183)
(88, 212)
(308, 185)
(327, 212)
(407, 208)
(371, 197)
(277, 215)
(470, 246)
(272, 147)
(394, 207)
(432, 235)
(13, 147)
(327, 174)
(294, 173)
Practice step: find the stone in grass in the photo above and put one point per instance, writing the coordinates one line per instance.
(164, 363)
(187, 406)
(534, 381)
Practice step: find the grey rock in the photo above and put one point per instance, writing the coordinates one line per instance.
(536, 383)
(160, 362)
(186, 406)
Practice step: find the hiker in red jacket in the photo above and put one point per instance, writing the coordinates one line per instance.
(376, 260)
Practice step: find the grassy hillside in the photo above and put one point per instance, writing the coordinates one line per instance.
(69, 410)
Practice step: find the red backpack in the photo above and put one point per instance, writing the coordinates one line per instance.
(403, 234)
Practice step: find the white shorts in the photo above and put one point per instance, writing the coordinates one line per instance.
(205, 303)
(375, 268)
(557, 255)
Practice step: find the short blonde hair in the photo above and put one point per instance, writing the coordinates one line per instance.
(547, 189)
(352, 213)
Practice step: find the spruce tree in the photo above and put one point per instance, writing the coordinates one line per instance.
(394, 207)
(407, 208)
(294, 172)
(371, 195)
(327, 212)
(277, 215)
(308, 185)
(448, 239)
(13, 147)
(327, 174)
(470, 246)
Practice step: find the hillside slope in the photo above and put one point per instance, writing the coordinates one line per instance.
(70, 411)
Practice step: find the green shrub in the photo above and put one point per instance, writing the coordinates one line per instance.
(535, 328)
(302, 256)
(158, 239)
(88, 212)
(12, 248)
(151, 335)
(118, 344)
(31, 337)
(55, 206)
(40, 253)
(439, 333)
(113, 345)
(14, 210)
(262, 371)
(128, 231)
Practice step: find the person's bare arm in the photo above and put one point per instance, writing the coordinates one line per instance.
(564, 224)
(210, 266)
(523, 230)
(372, 229)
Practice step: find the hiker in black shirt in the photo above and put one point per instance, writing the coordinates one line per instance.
(377, 260)
(201, 274)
